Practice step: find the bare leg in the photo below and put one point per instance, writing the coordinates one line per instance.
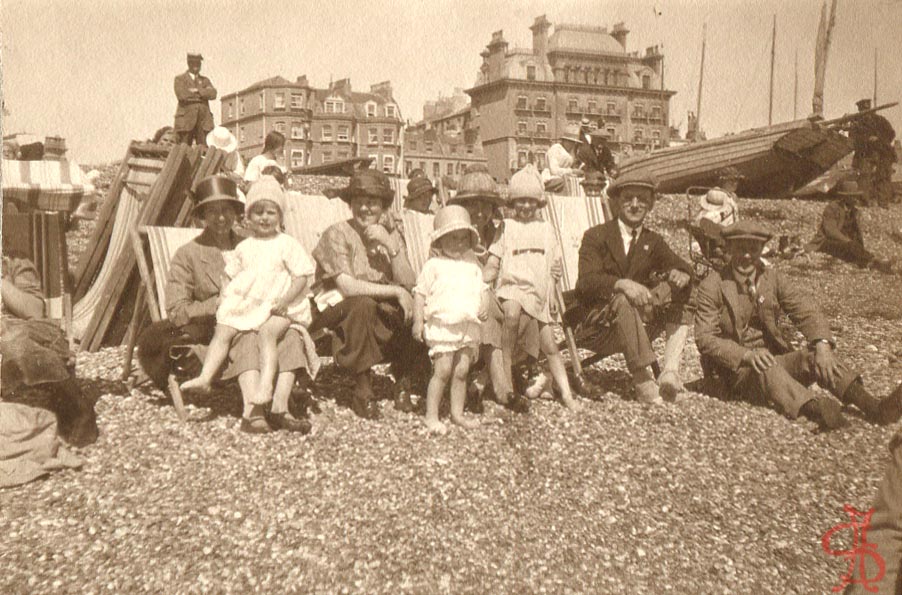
(669, 381)
(494, 360)
(268, 339)
(216, 356)
(556, 365)
(284, 384)
(511, 311)
(249, 383)
(459, 389)
(441, 373)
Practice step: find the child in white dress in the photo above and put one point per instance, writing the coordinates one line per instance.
(524, 265)
(450, 300)
(270, 276)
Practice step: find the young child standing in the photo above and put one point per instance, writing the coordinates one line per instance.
(449, 303)
(526, 262)
(270, 275)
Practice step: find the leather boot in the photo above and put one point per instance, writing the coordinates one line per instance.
(364, 407)
(825, 412)
(890, 409)
(857, 395)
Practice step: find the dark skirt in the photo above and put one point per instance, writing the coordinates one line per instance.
(164, 348)
(34, 352)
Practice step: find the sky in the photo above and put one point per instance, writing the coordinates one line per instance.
(99, 72)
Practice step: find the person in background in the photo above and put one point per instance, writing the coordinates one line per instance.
(420, 193)
(872, 137)
(561, 160)
(273, 149)
(222, 139)
(839, 233)
(193, 118)
(165, 136)
(736, 331)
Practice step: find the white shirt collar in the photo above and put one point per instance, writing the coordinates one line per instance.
(626, 234)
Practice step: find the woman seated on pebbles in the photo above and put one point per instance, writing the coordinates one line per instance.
(196, 279)
(363, 294)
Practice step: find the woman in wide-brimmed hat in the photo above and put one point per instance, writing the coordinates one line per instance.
(222, 139)
(192, 296)
(364, 280)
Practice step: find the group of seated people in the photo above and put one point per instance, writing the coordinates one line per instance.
(484, 302)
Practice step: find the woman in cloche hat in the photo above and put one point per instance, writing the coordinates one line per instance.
(192, 295)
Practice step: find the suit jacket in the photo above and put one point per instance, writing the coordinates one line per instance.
(602, 262)
(716, 332)
(195, 279)
(194, 107)
(838, 224)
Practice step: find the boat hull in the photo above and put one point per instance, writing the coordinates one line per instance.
(775, 160)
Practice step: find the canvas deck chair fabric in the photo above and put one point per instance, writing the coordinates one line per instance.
(45, 185)
(41, 238)
(417, 228)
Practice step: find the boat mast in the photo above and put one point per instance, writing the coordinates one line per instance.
(701, 78)
(795, 88)
(773, 48)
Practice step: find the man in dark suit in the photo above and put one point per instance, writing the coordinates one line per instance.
(736, 331)
(839, 233)
(628, 276)
(193, 118)
(872, 136)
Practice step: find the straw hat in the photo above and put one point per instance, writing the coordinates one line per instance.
(526, 184)
(266, 188)
(477, 185)
(216, 189)
(221, 138)
(452, 218)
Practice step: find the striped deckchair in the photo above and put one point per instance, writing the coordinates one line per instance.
(417, 227)
(162, 243)
(309, 215)
(45, 185)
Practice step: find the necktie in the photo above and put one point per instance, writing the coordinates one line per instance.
(635, 235)
(752, 290)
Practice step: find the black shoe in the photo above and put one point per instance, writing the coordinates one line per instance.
(825, 412)
(288, 422)
(403, 402)
(365, 408)
(890, 409)
(474, 402)
(517, 403)
(254, 425)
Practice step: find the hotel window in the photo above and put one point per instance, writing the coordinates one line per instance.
(327, 156)
(342, 133)
(521, 102)
(656, 112)
(241, 135)
(280, 127)
(370, 110)
(279, 101)
(612, 132)
(412, 145)
(646, 81)
(334, 106)
(638, 111)
(428, 146)
(450, 169)
(530, 73)
(423, 166)
(540, 159)
(541, 104)
(343, 155)
(374, 164)
(388, 136)
(572, 106)
(297, 131)
(612, 108)
(453, 149)
(297, 101)
(231, 110)
(638, 134)
(327, 135)
(656, 134)
(262, 100)
(593, 106)
(390, 111)
(297, 158)
(241, 108)
(469, 149)
(521, 127)
(522, 157)
(388, 164)
(436, 170)
(374, 136)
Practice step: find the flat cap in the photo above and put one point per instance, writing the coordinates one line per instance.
(747, 230)
(640, 178)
